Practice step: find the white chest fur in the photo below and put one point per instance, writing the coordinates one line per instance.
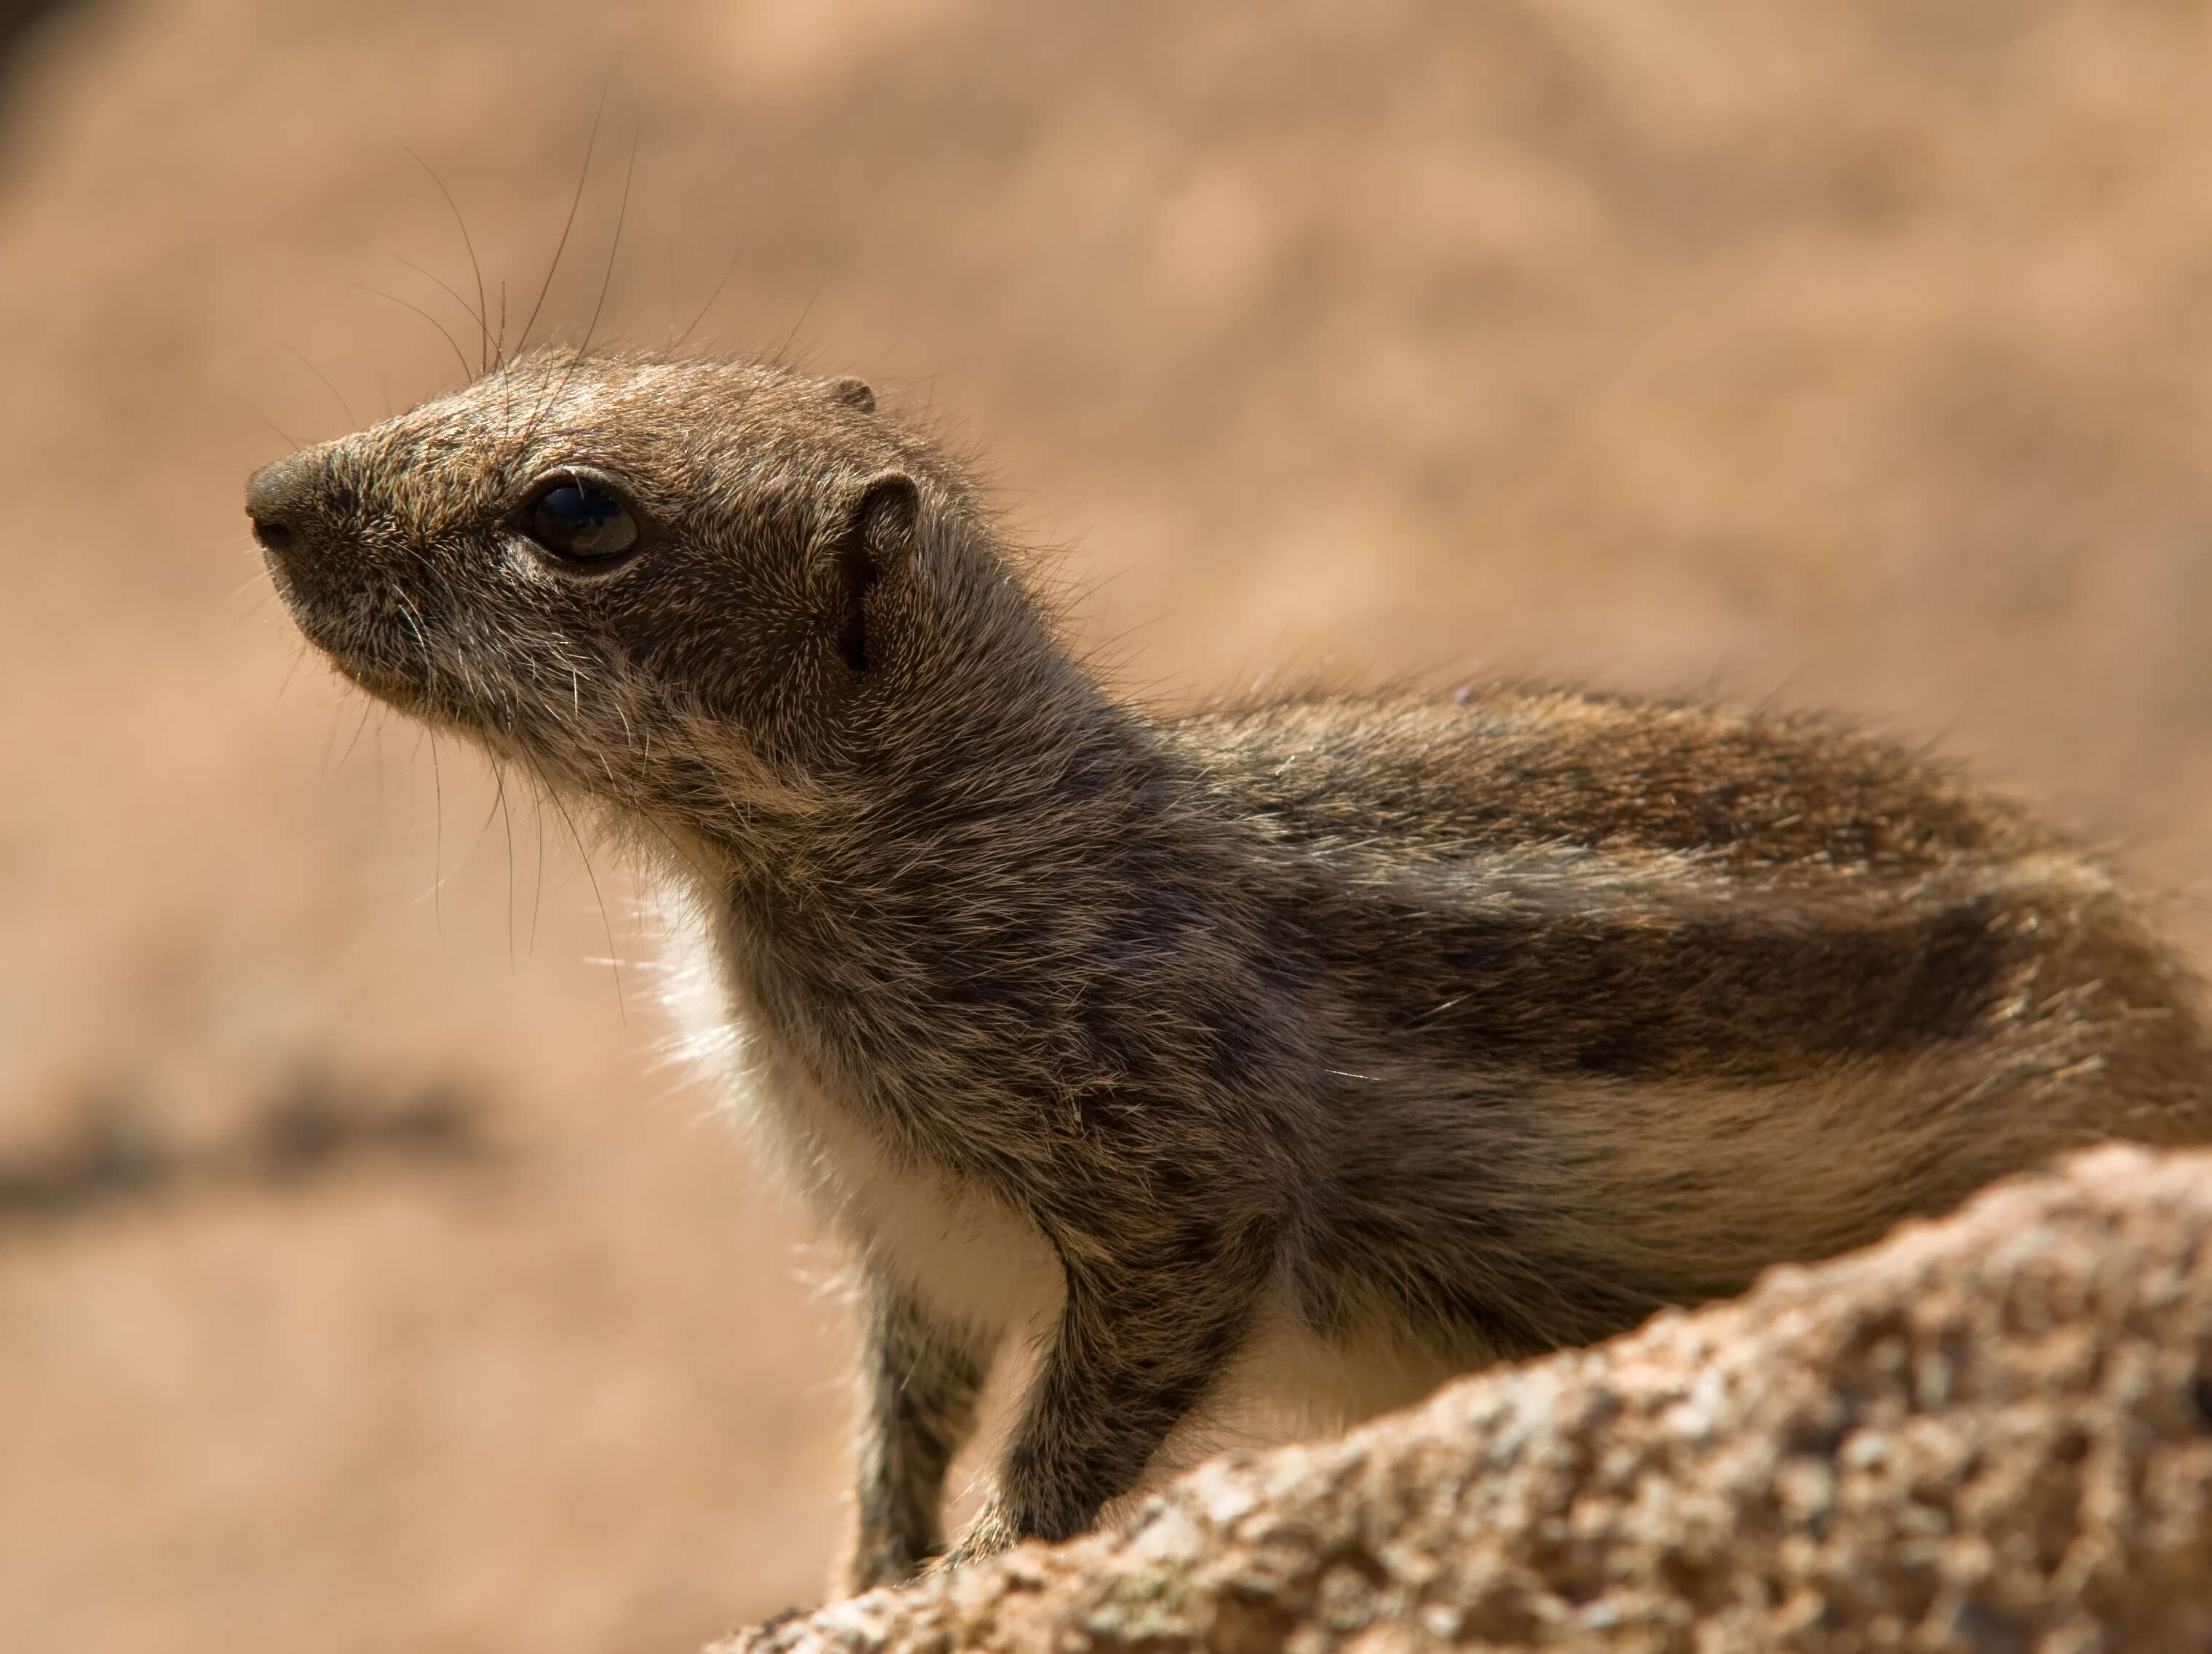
(967, 1253)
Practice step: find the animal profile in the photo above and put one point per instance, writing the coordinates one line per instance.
(1321, 1048)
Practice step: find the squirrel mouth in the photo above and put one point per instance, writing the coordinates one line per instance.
(371, 639)
(395, 688)
(389, 660)
(368, 631)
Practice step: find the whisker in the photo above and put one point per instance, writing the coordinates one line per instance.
(298, 655)
(506, 824)
(437, 841)
(728, 270)
(614, 964)
(482, 315)
(591, 146)
(606, 280)
(538, 830)
(613, 249)
(394, 298)
(443, 286)
(368, 707)
(782, 355)
(325, 378)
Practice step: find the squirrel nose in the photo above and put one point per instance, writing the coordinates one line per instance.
(279, 498)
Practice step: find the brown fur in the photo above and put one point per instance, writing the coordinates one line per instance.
(1331, 1045)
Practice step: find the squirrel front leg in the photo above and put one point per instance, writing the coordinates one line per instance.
(1143, 1337)
(920, 1378)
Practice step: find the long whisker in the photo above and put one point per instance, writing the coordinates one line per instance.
(367, 706)
(298, 655)
(507, 823)
(728, 270)
(606, 925)
(437, 841)
(591, 146)
(537, 831)
(482, 311)
(465, 374)
(560, 387)
(325, 378)
(614, 248)
(781, 357)
(444, 287)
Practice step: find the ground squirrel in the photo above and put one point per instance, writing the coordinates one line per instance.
(1330, 1046)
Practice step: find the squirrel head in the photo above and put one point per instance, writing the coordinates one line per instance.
(637, 576)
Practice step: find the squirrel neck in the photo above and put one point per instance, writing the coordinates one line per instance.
(979, 748)
(995, 903)
(1013, 783)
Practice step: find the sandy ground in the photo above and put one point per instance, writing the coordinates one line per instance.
(367, 1278)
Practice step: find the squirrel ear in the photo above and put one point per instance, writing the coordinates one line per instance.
(878, 535)
(853, 393)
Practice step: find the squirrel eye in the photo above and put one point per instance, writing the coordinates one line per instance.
(578, 520)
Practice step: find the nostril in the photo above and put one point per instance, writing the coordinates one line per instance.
(282, 500)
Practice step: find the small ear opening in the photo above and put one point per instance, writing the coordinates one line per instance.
(878, 532)
(853, 393)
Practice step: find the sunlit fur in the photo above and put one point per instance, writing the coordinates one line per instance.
(1324, 1048)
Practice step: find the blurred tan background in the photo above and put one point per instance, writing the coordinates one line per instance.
(367, 1279)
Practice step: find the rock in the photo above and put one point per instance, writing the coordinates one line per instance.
(1990, 1432)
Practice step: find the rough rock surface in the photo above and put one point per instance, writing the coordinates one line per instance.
(1992, 1431)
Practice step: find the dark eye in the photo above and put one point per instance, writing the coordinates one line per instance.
(578, 520)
